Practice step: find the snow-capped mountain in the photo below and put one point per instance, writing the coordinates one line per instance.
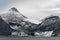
(13, 15)
(17, 21)
(14, 11)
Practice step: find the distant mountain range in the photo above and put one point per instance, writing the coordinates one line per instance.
(18, 22)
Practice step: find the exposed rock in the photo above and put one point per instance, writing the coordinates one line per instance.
(4, 28)
(50, 24)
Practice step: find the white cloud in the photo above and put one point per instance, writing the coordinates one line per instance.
(36, 8)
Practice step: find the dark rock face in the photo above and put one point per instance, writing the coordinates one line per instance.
(50, 24)
(4, 28)
(13, 9)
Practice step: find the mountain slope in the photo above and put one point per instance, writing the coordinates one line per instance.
(5, 28)
(50, 24)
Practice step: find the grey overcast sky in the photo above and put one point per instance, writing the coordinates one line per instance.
(34, 9)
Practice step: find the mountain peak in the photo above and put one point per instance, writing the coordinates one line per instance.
(14, 12)
(13, 9)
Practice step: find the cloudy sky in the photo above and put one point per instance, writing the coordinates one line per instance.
(34, 9)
